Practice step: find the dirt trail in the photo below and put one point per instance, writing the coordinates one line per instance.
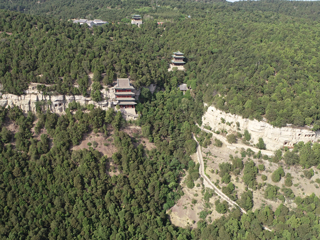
(237, 145)
(209, 184)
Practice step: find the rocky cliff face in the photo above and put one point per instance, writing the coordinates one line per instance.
(58, 103)
(55, 103)
(273, 137)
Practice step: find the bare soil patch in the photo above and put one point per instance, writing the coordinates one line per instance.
(105, 144)
(11, 126)
(135, 133)
(185, 213)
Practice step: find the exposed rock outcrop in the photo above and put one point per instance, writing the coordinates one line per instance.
(33, 99)
(273, 137)
(55, 103)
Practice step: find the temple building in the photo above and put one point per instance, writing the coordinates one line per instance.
(136, 20)
(177, 61)
(125, 96)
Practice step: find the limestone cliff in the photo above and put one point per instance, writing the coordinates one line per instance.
(58, 103)
(273, 137)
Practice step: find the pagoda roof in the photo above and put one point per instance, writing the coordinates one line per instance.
(173, 61)
(175, 56)
(123, 83)
(125, 99)
(183, 87)
(124, 93)
(178, 53)
(136, 16)
(127, 103)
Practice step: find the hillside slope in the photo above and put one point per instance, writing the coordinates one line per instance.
(261, 64)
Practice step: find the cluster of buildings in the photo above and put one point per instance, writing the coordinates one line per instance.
(122, 95)
(136, 20)
(90, 23)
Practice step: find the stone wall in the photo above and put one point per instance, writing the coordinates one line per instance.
(273, 137)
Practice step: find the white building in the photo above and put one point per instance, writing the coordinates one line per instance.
(90, 23)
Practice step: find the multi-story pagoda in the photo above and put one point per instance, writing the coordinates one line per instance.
(136, 20)
(124, 93)
(177, 61)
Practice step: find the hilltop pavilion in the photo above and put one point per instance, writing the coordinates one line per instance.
(136, 20)
(177, 61)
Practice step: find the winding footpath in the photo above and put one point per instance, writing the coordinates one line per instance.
(236, 145)
(209, 184)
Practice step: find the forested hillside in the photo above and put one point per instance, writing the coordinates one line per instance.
(261, 64)
(111, 10)
(304, 9)
(48, 191)
(251, 63)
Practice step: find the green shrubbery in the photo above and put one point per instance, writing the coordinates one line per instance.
(277, 174)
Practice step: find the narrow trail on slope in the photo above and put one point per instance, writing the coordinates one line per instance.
(237, 145)
(209, 184)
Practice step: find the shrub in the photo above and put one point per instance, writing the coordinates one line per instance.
(288, 193)
(271, 192)
(191, 146)
(204, 214)
(264, 177)
(95, 144)
(261, 167)
(276, 175)
(288, 181)
(226, 178)
(291, 158)
(246, 201)
(217, 143)
(247, 135)
(261, 144)
(308, 173)
(208, 194)
(250, 173)
(231, 138)
(221, 207)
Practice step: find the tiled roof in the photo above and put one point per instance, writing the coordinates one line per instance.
(124, 93)
(80, 21)
(174, 61)
(177, 56)
(178, 53)
(125, 99)
(183, 87)
(127, 103)
(98, 21)
(123, 83)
